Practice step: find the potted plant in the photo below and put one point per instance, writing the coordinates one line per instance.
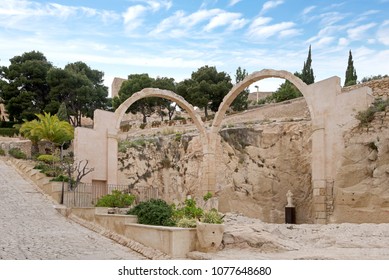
(210, 230)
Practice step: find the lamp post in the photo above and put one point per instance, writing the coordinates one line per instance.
(257, 92)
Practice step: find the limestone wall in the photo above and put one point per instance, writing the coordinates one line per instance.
(257, 164)
(7, 143)
(361, 189)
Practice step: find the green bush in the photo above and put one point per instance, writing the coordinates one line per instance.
(188, 210)
(153, 212)
(60, 178)
(48, 158)
(212, 217)
(17, 153)
(367, 116)
(2, 152)
(8, 132)
(187, 222)
(116, 199)
(4, 124)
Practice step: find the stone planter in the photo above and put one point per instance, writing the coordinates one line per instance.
(209, 236)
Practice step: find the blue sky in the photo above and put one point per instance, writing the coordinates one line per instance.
(173, 38)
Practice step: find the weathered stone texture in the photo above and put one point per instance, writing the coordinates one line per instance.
(361, 191)
(256, 166)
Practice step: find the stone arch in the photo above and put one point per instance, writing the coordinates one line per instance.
(250, 79)
(204, 137)
(167, 94)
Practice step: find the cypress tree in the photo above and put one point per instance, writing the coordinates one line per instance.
(351, 73)
(307, 72)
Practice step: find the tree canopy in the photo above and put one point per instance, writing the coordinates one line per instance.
(23, 85)
(31, 86)
(149, 105)
(79, 88)
(206, 88)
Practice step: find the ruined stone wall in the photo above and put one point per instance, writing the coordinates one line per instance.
(257, 164)
(361, 189)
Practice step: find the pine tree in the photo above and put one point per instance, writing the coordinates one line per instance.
(307, 72)
(351, 73)
(240, 103)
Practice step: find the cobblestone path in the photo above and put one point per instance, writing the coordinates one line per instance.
(30, 227)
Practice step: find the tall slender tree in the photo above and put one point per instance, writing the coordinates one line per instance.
(307, 72)
(240, 103)
(351, 73)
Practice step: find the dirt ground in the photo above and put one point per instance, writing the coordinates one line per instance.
(251, 239)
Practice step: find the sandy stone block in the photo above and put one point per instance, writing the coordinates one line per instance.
(321, 215)
(320, 207)
(319, 199)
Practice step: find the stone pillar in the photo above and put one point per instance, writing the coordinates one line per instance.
(112, 159)
(318, 175)
(209, 164)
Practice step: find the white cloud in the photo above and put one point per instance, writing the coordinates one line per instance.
(383, 33)
(181, 24)
(260, 29)
(157, 5)
(331, 18)
(270, 5)
(343, 42)
(133, 13)
(133, 17)
(307, 10)
(225, 18)
(358, 33)
(323, 42)
(234, 2)
(27, 15)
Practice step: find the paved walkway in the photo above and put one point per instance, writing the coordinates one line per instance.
(30, 227)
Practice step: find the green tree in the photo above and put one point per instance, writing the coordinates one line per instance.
(240, 103)
(149, 105)
(23, 85)
(48, 128)
(351, 73)
(62, 113)
(135, 83)
(206, 88)
(287, 90)
(307, 73)
(163, 105)
(80, 88)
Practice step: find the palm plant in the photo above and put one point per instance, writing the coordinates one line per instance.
(48, 127)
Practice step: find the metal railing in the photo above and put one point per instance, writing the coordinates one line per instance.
(86, 195)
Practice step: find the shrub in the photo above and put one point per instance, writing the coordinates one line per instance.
(186, 222)
(187, 215)
(367, 116)
(60, 178)
(48, 158)
(212, 217)
(2, 152)
(116, 199)
(8, 132)
(153, 212)
(17, 153)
